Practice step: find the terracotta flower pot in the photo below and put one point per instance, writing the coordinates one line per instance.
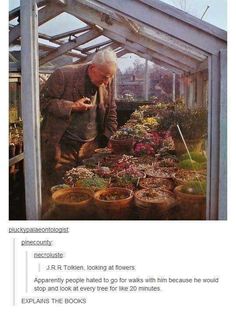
(73, 203)
(113, 209)
(182, 177)
(119, 146)
(192, 206)
(155, 208)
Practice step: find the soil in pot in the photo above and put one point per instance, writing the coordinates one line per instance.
(182, 177)
(152, 182)
(154, 204)
(73, 203)
(160, 172)
(113, 203)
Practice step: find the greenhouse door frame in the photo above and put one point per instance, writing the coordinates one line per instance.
(217, 131)
(30, 107)
(217, 137)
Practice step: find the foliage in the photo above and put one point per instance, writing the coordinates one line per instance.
(150, 110)
(195, 156)
(58, 187)
(140, 131)
(131, 171)
(72, 176)
(192, 122)
(203, 165)
(143, 148)
(195, 188)
(151, 122)
(94, 183)
(123, 133)
(125, 180)
(137, 115)
(189, 165)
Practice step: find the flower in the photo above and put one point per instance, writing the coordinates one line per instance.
(123, 133)
(72, 176)
(151, 122)
(143, 148)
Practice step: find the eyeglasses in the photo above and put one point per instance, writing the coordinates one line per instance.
(103, 76)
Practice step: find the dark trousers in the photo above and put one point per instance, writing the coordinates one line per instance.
(67, 155)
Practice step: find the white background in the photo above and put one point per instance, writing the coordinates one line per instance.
(167, 248)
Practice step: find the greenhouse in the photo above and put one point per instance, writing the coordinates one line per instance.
(167, 159)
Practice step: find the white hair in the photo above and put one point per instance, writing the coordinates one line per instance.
(105, 56)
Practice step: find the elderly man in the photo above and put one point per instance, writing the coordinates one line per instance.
(79, 114)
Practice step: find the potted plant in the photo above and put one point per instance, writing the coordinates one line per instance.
(123, 163)
(195, 156)
(73, 203)
(72, 176)
(192, 200)
(140, 131)
(160, 172)
(146, 144)
(184, 176)
(95, 183)
(122, 141)
(154, 203)
(192, 123)
(136, 116)
(126, 173)
(113, 203)
(150, 110)
(151, 123)
(191, 165)
(143, 148)
(124, 181)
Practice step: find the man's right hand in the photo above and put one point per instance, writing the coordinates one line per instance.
(82, 105)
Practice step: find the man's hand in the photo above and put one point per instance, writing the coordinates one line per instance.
(82, 105)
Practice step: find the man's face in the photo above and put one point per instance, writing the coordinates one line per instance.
(101, 74)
